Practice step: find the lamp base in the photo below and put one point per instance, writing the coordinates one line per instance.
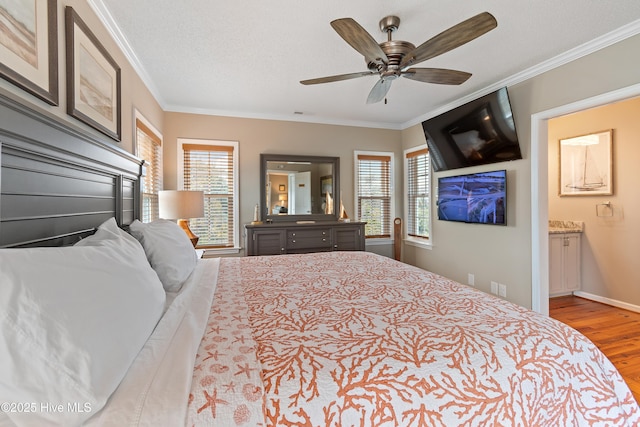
(184, 224)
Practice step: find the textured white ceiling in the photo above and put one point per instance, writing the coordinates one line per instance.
(246, 58)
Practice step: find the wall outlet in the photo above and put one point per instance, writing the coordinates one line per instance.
(471, 279)
(502, 290)
(494, 287)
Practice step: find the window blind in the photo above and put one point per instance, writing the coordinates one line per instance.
(374, 194)
(149, 148)
(418, 197)
(209, 168)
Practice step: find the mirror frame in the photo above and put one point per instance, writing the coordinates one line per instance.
(264, 214)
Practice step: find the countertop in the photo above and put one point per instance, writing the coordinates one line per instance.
(563, 226)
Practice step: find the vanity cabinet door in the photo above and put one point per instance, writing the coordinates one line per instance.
(572, 262)
(555, 264)
(564, 263)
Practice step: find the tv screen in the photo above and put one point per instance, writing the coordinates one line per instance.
(475, 198)
(477, 133)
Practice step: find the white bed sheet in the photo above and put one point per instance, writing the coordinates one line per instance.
(156, 388)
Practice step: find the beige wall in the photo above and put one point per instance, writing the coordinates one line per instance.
(278, 137)
(489, 252)
(134, 93)
(505, 254)
(610, 245)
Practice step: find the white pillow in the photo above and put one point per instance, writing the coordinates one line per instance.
(72, 320)
(108, 232)
(168, 249)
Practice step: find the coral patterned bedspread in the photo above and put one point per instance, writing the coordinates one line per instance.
(356, 339)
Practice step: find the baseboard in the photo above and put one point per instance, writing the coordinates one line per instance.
(608, 301)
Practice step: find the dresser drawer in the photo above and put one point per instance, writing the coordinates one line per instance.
(309, 238)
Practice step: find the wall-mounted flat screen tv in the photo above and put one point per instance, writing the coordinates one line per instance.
(476, 133)
(475, 198)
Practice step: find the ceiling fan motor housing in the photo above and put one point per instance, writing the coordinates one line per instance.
(395, 51)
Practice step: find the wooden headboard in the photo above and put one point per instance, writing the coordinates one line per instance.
(57, 182)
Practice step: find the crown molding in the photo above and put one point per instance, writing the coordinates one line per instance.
(110, 24)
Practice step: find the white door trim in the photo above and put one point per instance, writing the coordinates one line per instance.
(540, 188)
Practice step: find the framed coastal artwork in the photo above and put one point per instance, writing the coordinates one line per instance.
(586, 164)
(93, 79)
(29, 46)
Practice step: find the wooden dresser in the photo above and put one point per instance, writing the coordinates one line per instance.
(296, 238)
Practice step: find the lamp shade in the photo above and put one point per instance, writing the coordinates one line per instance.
(180, 204)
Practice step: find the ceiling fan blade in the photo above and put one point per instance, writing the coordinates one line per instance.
(379, 91)
(437, 75)
(450, 39)
(337, 78)
(359, 39)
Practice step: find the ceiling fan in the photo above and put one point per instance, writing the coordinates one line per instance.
(392, 59)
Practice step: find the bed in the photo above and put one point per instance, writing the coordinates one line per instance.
(110, 322)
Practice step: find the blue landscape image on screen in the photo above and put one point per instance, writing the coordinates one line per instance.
(475, 198)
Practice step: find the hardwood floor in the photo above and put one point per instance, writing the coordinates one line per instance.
(615, 331)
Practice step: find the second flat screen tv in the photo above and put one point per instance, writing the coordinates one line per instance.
(475, 198)
(479, 132)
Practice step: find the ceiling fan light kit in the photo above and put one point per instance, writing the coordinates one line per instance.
(392, 59)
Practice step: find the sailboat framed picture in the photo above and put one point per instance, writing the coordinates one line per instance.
(586, 164)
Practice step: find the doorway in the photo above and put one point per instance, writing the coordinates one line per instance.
(539, 188)
(300, 193)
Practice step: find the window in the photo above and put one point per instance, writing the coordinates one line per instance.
(373, 192)
(211, 167)
(418, 199)
(149, 148)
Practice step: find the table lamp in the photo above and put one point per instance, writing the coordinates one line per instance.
(182, 205)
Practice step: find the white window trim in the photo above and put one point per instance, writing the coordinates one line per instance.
(236, 205)
(137, 115)
(410, 240)
(392, 211)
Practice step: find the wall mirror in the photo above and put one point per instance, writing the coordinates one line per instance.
(299, 188)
